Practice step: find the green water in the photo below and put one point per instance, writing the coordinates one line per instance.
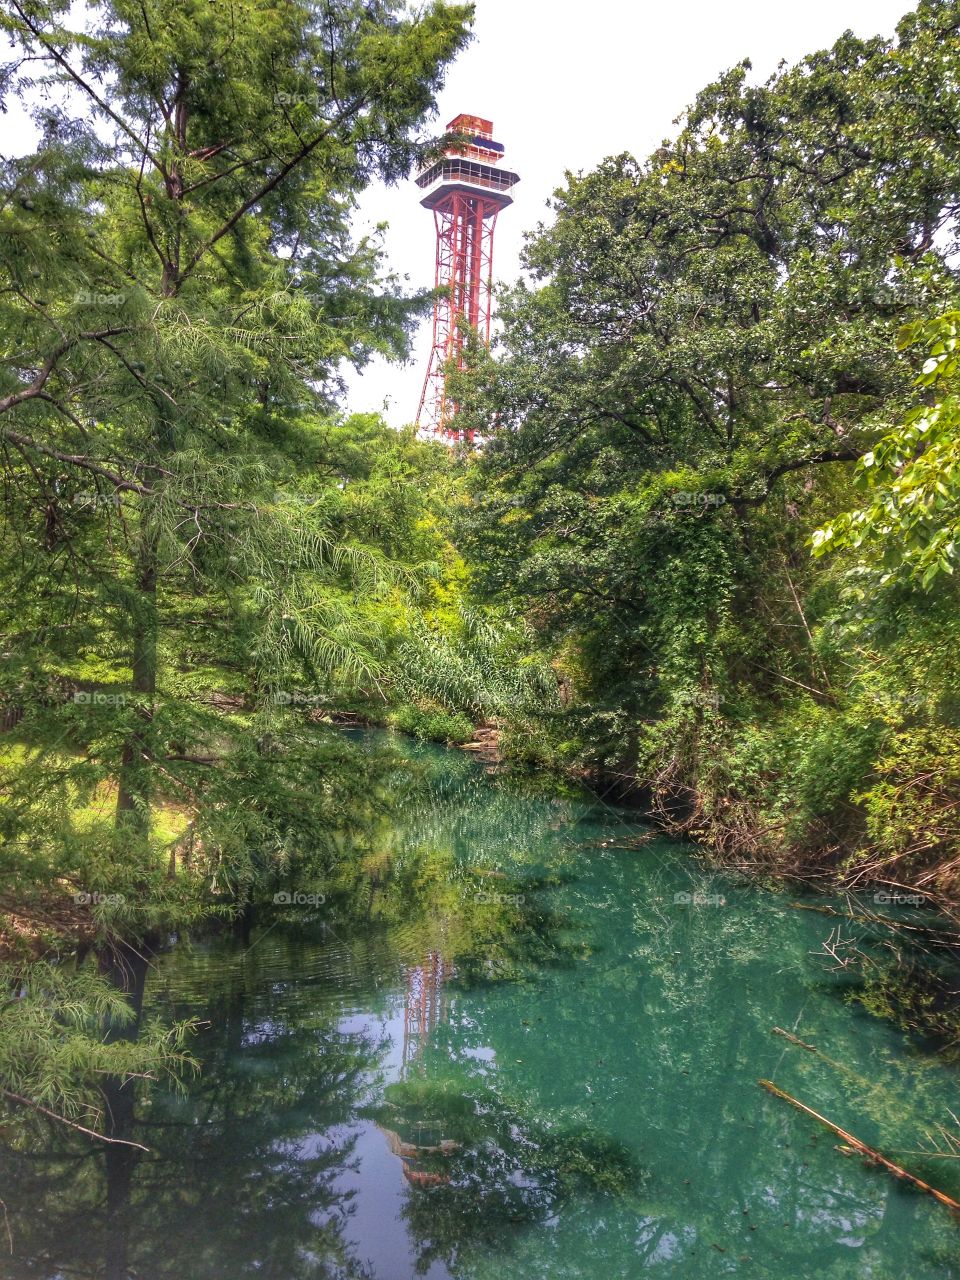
(416, 1081)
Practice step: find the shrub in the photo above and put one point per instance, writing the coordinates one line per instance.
(432, 725)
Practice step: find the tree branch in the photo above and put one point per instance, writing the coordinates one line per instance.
(28, 393)
(784, 468)
(61, 61)
(91, 1133)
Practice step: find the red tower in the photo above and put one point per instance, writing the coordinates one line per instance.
(466, 190)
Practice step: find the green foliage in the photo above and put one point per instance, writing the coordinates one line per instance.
(708, 340)
(475, 661)
(202, 561)
(432, 725)
(51, 1039)
(911, 522)
(912, 806)
(185, 583)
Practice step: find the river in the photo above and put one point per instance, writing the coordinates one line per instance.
(522, 1049)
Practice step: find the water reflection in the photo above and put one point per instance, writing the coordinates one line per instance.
(512, 1050)
(242, 1173)
(424, 1009)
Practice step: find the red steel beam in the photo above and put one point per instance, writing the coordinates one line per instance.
(464, 222)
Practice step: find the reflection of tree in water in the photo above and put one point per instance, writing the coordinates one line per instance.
(517, 1068)
(680, 1010)
(469, 852)
(484, 821)
(262, 1179)
(486, 1169)
(480, 1170)
(241, 1175)
(495, 925)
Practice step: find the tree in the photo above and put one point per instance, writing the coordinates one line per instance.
(180, 286)
(706, 347)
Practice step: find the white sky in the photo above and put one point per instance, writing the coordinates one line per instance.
(567, 82)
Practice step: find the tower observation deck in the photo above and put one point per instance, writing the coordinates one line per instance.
(465, 189)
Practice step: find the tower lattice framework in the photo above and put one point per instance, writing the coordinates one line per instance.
(466, 189)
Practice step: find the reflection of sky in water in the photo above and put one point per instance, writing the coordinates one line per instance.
(375, 1187)
(375, 1228)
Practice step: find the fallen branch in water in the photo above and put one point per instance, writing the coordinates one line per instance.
(788, 1035)
(812, 1048)
(944, 936)
(861, 1148)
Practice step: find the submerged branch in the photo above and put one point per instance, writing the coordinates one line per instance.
(861, 1148)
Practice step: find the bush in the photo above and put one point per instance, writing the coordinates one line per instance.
(432, 725)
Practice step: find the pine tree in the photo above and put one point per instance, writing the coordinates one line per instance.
(180, 288)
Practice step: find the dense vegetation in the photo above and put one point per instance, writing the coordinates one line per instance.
(187, 568)
(720, 348)
(706, 552)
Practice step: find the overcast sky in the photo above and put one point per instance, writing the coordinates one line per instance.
(567, 82)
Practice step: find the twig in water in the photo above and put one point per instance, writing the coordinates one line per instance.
(861, 1148)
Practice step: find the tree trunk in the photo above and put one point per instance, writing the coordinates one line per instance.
(126, 969)
(133, 792)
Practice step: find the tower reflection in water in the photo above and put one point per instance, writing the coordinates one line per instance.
(420, 1143)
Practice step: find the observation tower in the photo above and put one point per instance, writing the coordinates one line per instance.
(466, 189)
